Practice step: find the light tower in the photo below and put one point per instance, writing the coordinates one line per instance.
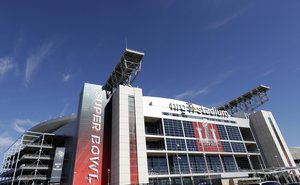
(247, 102)
(125, 71)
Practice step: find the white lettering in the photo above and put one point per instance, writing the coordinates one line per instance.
(95, 150)
(98, 109)
(95, 139)
(96, 118)
(199, 110)
(92, 176)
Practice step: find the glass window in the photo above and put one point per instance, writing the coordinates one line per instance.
(214, 163)
(157, 165)
(222, 132)
(191, 145)
(197, 164)
(155, 145)
(238, 147)
(188, 129)
(153, 127)
(183, 164)
(175, 144)
(173, 127)
(243, 163)
(226, 146)
(234, 133)
(229, 164)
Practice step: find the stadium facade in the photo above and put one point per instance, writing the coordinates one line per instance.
(121, 137)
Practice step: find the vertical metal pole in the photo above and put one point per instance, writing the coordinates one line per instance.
(251, 166)
(20, 145)
(37, 164)
(207, 168)
(204, 154)
(177, 145)
(262, 167)
(108, 176)
(21, 173)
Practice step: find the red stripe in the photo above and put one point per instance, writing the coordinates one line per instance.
(134, 177)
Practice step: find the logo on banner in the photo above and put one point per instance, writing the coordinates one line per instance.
(209, 137)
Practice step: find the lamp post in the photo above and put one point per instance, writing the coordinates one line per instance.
(204, 153)
(262, 167)
(108, 176)
(177, 145)
(207, 168)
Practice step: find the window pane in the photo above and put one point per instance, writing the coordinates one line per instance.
(234, 133)
(238, 147)
(214, 164)
(222, 132)
(175, 144)
(226, 146)
(192, 145)
(229, 164)
(157, 165)
(197, 164)
(183, 166)
(188, 129)
(173, 127)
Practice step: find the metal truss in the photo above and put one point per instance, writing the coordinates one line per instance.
(22, 168)
(125, 71)
(247, 102)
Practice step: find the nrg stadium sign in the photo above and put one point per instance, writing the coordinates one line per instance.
(189, 107)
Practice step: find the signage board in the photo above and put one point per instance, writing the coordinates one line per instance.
(89, 149)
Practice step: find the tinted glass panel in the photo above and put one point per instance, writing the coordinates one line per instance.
(234, 133)
(229, 164)
(188, 129)
(157, 165)
(192, 145)
(222, 132)
(238, 147)
(175, 144)
(226, 146)
(197, 164)
(173, 127)
(214, 164)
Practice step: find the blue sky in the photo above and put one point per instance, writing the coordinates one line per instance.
(206, 52)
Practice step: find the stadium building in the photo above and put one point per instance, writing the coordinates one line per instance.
(121, 137)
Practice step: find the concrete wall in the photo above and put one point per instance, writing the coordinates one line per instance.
(270, 140)
(120, 161)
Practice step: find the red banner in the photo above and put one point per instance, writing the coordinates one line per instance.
(89, 149)
(208, 138)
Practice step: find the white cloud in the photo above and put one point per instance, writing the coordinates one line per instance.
(22, 125)
(222, 22)
(191, 94)
(66, 77)
(34, 60)
(6, 65)
(268, 72)
(5, 141)
(227, 19)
